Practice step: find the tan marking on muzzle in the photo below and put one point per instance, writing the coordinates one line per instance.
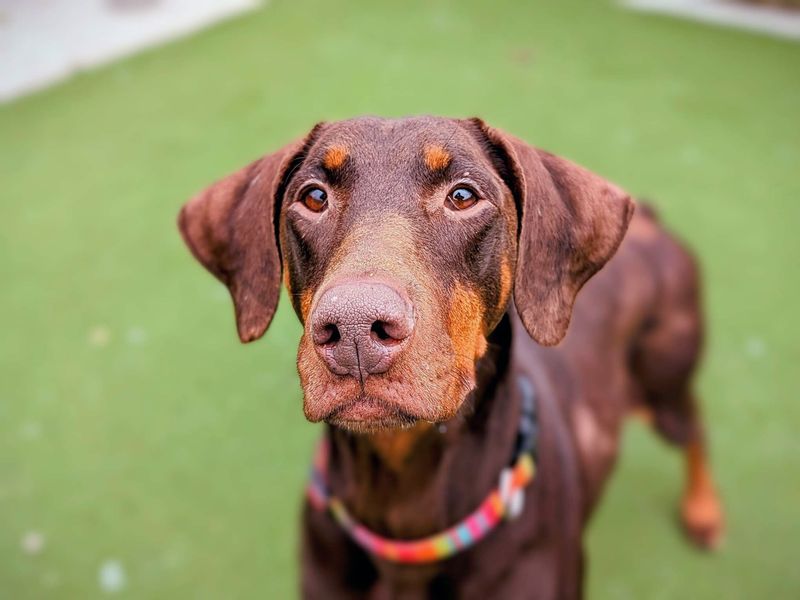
(305, 303)
(306, 296)
(436, 157)
(506, 279)
(334, 157)
(465, 326)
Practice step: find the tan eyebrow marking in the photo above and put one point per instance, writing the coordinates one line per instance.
(334, 157)
(436, 157)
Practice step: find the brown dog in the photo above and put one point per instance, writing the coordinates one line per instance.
(402, 243)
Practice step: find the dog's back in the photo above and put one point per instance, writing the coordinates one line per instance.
(632, 348)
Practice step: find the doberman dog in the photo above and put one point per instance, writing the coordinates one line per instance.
(434, 264)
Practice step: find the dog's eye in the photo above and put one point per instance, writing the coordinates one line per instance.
(315, 199)
(461, 198)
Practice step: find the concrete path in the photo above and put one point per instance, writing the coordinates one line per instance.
(45, 41)
(770, 20)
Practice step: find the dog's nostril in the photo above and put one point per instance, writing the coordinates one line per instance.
(386, 333)
(379, 329)
(328, 335)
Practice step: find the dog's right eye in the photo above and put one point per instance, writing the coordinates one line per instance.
(314, 199)
(461, 198)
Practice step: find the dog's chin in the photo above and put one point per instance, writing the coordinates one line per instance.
(367, 414)
(383, 402)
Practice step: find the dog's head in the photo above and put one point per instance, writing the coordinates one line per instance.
(401, 243)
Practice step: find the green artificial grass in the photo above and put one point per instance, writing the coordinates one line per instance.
(135, 428)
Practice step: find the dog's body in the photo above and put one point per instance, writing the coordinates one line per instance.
(632, 346)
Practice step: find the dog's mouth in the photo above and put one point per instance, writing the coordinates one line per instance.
(428, 388)
(367, 413)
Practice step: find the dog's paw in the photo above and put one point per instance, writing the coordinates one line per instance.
(702, 518)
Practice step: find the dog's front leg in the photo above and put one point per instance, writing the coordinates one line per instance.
(544, 572)
(332, 566)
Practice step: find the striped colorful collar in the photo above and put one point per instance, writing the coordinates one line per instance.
(506, 501)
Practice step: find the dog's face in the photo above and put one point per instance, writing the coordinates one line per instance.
(400, 243)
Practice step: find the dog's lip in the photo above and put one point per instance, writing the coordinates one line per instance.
(368, 409)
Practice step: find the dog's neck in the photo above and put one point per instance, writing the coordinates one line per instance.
(389, 479)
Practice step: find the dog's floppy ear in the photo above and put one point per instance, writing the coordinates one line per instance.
(230, 227)
(571, 222)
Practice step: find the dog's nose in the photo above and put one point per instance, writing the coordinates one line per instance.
(359, 328)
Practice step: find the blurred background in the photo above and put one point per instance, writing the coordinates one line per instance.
(145, 453)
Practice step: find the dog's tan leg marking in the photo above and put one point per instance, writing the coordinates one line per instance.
(701, 509)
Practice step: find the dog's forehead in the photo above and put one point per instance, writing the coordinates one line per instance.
(371, 141)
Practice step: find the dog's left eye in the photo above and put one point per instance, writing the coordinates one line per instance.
(461, 198)
(315, 199)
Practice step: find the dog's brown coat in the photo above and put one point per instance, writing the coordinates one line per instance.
(632, 344)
